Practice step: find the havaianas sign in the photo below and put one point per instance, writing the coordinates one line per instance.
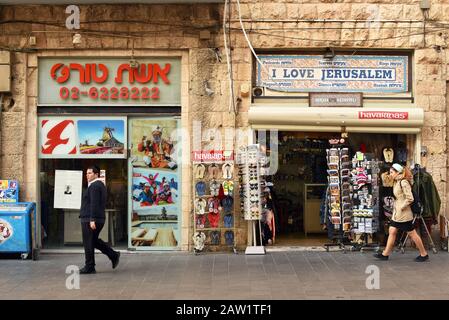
(312, 73)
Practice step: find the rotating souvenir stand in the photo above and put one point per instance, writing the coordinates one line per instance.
(365, 199)
(338, 195)
(248, 160)
(214, 186)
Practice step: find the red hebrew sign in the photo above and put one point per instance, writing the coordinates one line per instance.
(110, 81)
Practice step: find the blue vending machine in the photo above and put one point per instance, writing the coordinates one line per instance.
(16, 228)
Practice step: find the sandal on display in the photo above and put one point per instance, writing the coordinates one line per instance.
(213, 171)
(227, 170)
(199, 170)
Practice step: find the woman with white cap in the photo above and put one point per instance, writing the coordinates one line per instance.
(402, 218)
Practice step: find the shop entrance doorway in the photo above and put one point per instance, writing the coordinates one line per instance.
(61, 227)
(299, 184)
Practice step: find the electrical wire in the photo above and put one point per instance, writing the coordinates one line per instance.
(346, 40)
(157, 23)
(252, 49)
(229, 59)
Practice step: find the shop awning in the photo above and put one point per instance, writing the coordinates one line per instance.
(406, 119)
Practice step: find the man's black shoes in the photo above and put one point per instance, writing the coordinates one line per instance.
(421, 258)
(116, 261)
(86, 270)
(380, 256)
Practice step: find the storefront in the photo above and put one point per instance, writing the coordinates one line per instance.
(125, 117)
(317, 111)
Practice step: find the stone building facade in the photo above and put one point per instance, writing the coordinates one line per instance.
(195, 32)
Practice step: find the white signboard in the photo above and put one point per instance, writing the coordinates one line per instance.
(68, 189)
(312, 73)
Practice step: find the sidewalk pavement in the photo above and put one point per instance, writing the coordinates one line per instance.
(276, 275)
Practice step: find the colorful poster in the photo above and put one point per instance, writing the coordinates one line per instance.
(101, 136)
(9, 191)
(154, 144)
(313, 73)
(58, 137)
(83, 137)
(155, 188)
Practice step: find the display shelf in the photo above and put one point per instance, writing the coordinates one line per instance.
(208, 179)
(249, 160)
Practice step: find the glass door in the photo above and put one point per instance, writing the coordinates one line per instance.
(154, 184)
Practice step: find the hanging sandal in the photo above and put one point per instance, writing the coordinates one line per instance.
(227, 170)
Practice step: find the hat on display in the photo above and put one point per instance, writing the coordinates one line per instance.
(398, 167)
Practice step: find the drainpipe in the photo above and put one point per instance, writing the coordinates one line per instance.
(1, 128)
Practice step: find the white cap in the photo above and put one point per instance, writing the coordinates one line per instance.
(398, 167)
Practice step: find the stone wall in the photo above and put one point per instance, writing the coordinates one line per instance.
(277, 25)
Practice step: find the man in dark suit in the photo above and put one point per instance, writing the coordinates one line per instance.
(92, 221)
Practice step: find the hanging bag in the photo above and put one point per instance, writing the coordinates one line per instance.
(416, 205)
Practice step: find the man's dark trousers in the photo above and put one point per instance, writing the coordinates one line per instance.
(92, 242)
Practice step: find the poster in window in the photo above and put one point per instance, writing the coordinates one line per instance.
(68, 189)
(155, 189)
(154, 144)
(58, 137)
(101, 136)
